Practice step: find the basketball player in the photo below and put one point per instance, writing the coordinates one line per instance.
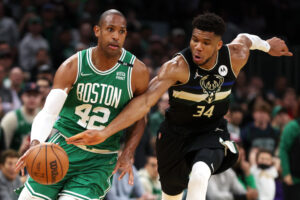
(89, 90)
(193, 139)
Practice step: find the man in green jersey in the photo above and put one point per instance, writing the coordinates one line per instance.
(90, 89)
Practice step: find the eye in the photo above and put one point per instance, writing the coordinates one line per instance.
(195, 39)
(110, 29)
(122, 31)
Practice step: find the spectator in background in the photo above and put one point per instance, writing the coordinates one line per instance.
(31, 43)
(44, 86)
(42, 58)
(260, 132)
(48, 15)
(9, 178)
(290, 103)
(226, 186)
(16, 125)
(234, 118)
(45, 71)
(242, 170)
(16, 78)
(64, 46)
(178, 38)
(149, 177)
(9, 30)
(6, 57)
(289, 151)
(5, 94)
(86, 34)
(265, 174)
(280, 118)
(121, 190)
(157, 117)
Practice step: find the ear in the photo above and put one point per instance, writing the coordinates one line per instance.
(97, 30)
(219, 45)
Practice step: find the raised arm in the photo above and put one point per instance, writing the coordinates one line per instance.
(171, 72)
(240, 49)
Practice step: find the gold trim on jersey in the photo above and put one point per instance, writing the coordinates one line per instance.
(199, 97)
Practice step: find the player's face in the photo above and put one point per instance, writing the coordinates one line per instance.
(111, 34)
(204, 45)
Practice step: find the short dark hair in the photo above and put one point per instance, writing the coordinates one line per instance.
(209, 22)
(10, 153)
(260, 151)
(109, 12)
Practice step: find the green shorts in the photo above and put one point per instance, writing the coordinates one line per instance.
(89, 175)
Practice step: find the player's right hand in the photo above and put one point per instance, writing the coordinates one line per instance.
(88, 137)
(278, 47)
(21, 162)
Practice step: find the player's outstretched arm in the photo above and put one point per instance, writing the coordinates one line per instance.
(240, 48)
(169, 74)
(45, 119)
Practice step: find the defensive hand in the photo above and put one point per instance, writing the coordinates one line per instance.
(88, 137)
(278, 47)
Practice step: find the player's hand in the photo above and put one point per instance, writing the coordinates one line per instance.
(88, 137)
(278, 47)
(124, 164)
(21, 162)
(288, 179)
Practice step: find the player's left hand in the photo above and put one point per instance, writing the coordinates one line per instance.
(278, 47)
(88, 137)
(124, 164)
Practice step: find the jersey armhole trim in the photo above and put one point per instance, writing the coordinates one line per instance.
(180, 54)
(78, 67)
(129, 85)
(230, 61)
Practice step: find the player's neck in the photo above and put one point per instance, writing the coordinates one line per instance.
(102, 61)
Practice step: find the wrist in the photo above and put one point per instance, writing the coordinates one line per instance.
(34, 142)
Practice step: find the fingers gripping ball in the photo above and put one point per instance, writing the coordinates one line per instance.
(47, 163)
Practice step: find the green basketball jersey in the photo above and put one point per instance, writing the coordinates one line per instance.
(96, 98)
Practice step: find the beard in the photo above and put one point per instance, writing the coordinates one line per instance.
(207, 60)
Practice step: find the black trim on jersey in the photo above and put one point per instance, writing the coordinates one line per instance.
(125, 63)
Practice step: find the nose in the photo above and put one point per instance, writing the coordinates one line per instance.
(199, 46)
(115, 35)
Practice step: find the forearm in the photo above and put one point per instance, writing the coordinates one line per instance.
(253, 42)
(134, 136)
(134, 111)
(45, 119)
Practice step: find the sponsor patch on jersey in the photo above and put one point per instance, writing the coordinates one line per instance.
(120, 75)
(223, 70)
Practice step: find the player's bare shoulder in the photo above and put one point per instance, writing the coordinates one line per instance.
(176, 69)
(140, 77)
(66, 74)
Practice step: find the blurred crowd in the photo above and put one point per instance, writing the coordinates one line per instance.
(36, 36)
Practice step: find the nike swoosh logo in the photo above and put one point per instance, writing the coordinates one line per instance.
(82, 74)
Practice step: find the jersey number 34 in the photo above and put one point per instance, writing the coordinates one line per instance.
(202, 111)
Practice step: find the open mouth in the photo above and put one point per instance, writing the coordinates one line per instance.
(197, 58)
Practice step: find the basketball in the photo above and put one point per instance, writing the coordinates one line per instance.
(47, 163)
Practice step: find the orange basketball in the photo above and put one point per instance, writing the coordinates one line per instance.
(47, 163)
